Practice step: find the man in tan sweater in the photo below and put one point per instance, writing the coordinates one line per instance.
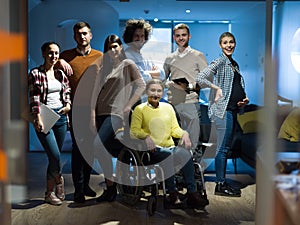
(181, 68)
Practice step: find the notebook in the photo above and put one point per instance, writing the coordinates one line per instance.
(49, 117)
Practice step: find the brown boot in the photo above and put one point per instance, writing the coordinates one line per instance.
(50, 185)
(52, 199)
(60, 188)
(194, 200)
(50, 196)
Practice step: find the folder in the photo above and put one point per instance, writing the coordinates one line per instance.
(49, 117)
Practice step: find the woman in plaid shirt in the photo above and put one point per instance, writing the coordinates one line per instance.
(50, 87)
(227, 97)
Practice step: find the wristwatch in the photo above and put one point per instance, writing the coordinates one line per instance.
(189, 88)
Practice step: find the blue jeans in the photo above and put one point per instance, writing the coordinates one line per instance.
(107, 126)
(182, 159)
(159, 155)
(52, 142)
(225, 128)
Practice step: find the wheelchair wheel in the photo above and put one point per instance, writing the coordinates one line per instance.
(199, 186)
(151, 206)
(128, 174)
(202, 192)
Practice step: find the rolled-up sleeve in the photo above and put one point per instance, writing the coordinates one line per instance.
(35, 90)
(66, 92)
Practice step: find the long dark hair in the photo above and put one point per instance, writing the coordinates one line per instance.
(107, 62)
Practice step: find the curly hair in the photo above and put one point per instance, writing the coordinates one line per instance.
(132, 25)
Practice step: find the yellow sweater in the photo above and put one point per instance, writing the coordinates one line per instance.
(160, 123)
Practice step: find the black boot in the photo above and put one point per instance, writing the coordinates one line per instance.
(194, 200)
(109, 195)
(224, 189)
(78, 195)
(87, 191)
(173, 201)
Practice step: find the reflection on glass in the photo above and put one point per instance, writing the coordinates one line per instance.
(295, 51)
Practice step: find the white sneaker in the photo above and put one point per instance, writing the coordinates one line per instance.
(60, 190)
(52, 199)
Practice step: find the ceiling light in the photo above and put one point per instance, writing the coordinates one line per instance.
(214, 21)
(187, 10)
(184, 21)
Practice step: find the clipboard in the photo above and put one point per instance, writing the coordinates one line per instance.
(49, 117)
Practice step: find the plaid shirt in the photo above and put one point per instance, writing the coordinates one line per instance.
(38, 88)
(219, 72)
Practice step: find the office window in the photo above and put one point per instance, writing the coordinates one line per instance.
(205, 38)
(158, 46)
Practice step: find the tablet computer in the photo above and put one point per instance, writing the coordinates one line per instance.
(181, 80)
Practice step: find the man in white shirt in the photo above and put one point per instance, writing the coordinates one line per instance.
(136, 34)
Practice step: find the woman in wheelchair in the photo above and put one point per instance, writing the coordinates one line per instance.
(156, 123)
(118, 88)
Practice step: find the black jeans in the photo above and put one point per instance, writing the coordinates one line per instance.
(81, 170)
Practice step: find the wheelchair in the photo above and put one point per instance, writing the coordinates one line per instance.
(137, 178)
